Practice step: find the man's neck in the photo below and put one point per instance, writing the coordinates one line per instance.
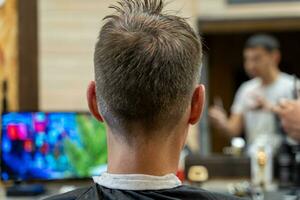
(271, 77)
(156, 157)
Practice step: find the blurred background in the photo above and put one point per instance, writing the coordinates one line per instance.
(46, 52)
(46, 47)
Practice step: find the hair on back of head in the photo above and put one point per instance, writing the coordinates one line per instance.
(146, 66)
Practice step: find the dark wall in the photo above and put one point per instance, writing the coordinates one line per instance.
(28, 55)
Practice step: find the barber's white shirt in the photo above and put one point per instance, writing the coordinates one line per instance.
(258, 122)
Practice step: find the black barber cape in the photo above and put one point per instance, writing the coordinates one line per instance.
(97, 192)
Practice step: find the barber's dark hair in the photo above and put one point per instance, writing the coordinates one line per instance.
(265, 41)
(146, 66)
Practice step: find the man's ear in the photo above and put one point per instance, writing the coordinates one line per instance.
(92, 101)
(197, 104)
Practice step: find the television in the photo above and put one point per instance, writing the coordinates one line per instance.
(51, 146)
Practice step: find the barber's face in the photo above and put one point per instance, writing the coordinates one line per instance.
(257, 61)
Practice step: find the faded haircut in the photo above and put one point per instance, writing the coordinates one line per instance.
(146, 66)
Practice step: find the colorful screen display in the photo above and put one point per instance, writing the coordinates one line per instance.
(49, 146)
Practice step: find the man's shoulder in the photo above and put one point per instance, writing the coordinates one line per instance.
(286, 78)
(252, 83)
(181, 192)
(197, 193)
(89, 192)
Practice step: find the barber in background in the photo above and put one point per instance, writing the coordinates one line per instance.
(267, 86)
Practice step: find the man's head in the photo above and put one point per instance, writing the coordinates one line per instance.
(146, 69)
(261, 55)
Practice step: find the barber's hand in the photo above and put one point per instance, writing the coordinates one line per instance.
(262, 103)
(218, 117)
(289, 113)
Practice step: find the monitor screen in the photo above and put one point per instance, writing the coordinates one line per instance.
(51, 146)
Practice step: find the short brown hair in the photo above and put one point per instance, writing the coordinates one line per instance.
(146, 65)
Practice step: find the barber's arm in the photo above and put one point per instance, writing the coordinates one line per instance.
(289, 113)
(231, 125)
